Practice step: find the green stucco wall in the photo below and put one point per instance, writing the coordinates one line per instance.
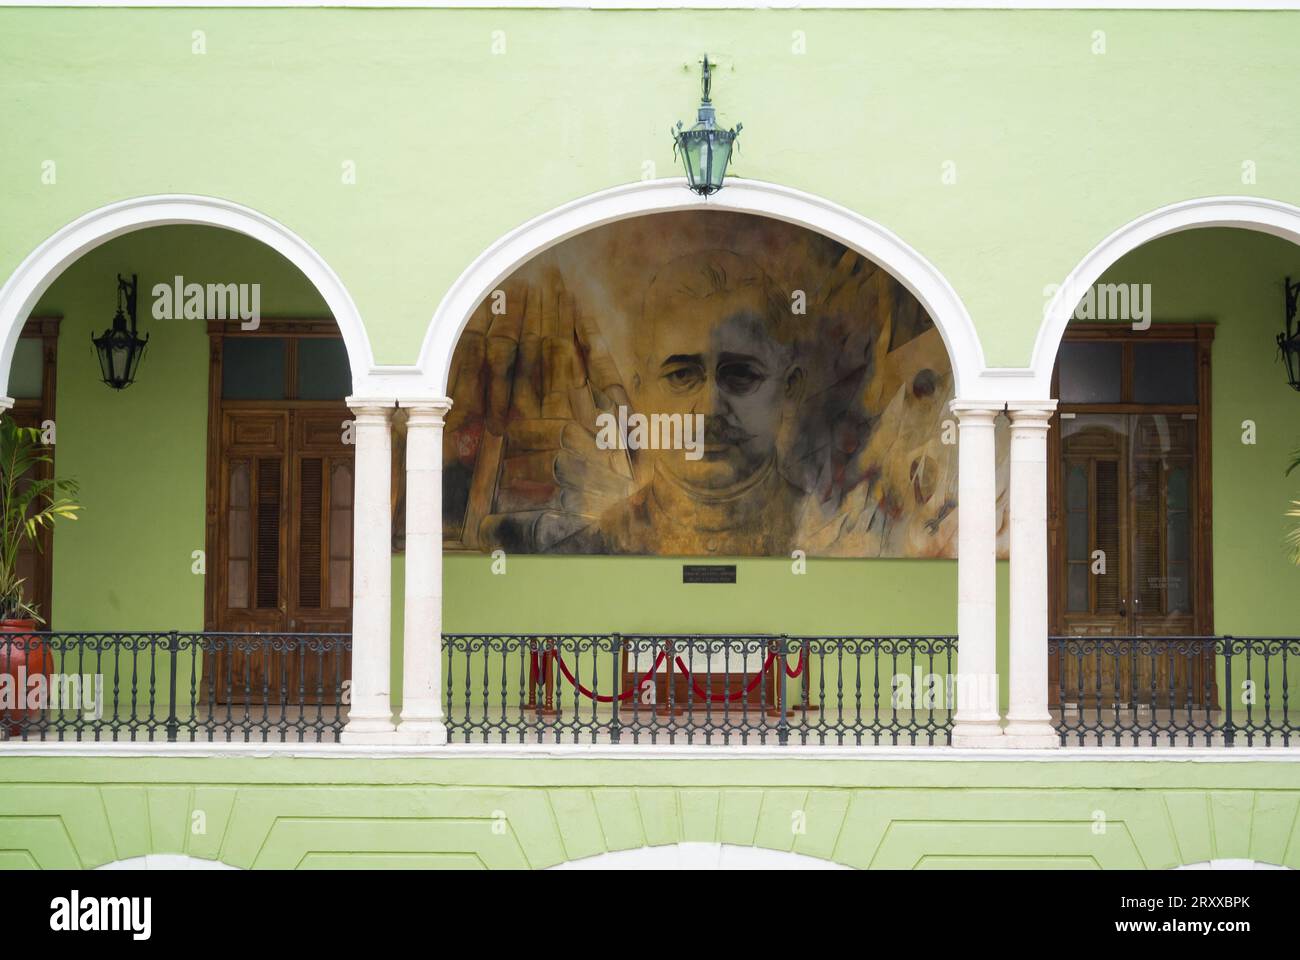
(464, 812)
(1054, 145)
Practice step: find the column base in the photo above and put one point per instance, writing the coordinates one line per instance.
(431, 733)
(977, 734)
(1031, 734)
(367, 730)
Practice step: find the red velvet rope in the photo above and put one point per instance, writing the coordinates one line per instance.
(600, 697)
(727, 697)
(538, 671)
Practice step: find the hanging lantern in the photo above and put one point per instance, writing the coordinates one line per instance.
(120, 347)
(1288, 341)
(705, 148)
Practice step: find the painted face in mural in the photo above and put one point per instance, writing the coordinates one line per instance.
(711, 345)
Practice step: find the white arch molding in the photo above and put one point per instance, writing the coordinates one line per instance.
(740, 196)
(165, 861)
(700, 856)
(19, 295)
(1232, 864)
(1248, 213)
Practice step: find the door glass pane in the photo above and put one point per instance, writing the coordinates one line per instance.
(1090, 372)
(1178, 530)
(323, 372)
(27, 371)
(1094, 444)
(1164, 449)
(252, 368)
(1164, 372)
(1077, 598)
(340, 533)
(1107, 559)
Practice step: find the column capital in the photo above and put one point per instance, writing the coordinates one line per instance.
(1031, 413)
(976, 411)
(424, 408)
(372, 406)
(6, 403)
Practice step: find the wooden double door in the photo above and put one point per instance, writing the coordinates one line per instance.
(1129, 505)
(283, 529)
(1129, 558)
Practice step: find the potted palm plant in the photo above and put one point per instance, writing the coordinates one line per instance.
(28, 503)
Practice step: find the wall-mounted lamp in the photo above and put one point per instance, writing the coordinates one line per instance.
(1288, 341)
(120, 347)
(705, 148)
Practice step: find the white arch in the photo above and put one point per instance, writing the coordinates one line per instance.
(19, 295)
(1249, 213)
(165, 861)
(1232, 864)
(700, 856)
(741, 196)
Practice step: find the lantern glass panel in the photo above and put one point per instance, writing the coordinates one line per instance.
(720, 155)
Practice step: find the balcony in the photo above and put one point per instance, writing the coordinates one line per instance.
(642, 689)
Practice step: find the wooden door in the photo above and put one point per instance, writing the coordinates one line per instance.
(285, 552)
(1129, 516)
(1129, 559)
(279, 516)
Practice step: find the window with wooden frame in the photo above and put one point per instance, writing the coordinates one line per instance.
(32, 381)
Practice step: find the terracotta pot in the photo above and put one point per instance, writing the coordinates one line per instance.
(23, 655)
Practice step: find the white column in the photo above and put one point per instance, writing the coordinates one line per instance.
(370, 719)
(6, 403)
(1028, 722)
(422, 719)
(977, 722)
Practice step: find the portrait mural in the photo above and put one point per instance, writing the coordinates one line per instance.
(702, 384)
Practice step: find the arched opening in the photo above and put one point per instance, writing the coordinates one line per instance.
(696, 383)
(22, 291)
(701, 856)
(166, 861)
(204, 591)
(1167, 480)
(851, 229)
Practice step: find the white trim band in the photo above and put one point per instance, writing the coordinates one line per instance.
(642, 752)
(606, 5)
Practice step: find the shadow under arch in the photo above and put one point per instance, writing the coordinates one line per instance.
(22, 290)
(1273, 217)
(866, 237)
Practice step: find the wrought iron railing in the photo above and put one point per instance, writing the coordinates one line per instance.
(1176, 691)
(698, 689)
(641, 688)
(174, 686)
